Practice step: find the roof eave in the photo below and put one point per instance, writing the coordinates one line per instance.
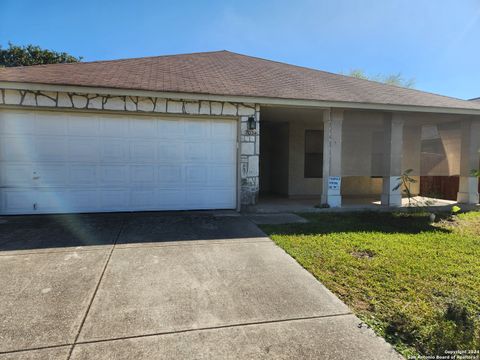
(236, 98)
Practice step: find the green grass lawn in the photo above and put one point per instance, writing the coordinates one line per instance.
(415, 283)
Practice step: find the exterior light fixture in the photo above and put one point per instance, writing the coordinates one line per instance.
(252, 124)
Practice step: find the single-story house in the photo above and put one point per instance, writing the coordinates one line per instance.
(215, 130)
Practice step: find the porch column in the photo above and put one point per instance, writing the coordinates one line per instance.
(332, 157)
(393, 125)
(469, 160)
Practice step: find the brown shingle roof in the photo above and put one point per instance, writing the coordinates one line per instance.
(227, 73)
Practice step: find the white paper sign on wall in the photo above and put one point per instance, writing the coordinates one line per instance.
(334, 182)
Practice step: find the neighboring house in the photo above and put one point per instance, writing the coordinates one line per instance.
(213, 130)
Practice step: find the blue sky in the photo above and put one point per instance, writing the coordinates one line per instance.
(435, 42)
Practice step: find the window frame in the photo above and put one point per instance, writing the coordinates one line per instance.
(307, 174)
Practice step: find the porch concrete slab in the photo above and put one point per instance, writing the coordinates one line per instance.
(56, 353)
(276, 219)
(150, 290)
(281, 205)
(44, 297)
(338, 338)
(190, 227)
(51, 233)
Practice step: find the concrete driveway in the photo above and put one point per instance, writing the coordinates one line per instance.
(164, 285)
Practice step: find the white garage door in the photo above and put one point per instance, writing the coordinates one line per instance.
(54, 162)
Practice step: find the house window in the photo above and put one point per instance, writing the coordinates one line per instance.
(313, 153)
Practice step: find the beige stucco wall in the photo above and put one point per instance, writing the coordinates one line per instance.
(363, 136)
(365, 142)
(361, 186)
(298, 185)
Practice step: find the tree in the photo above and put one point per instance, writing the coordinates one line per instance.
(393, 79)
(28, 55)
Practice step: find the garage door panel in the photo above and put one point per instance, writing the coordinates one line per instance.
(143, 128)
(84, 162)
(19, 175)
(50, 148)
(17, 148)
(170, 175)
(142, 151)
(197, 151)
(143, 199)
(16, 123)
(114, 150)
(209, 199)
(222, 130)
(47, 174)
(83, 149)
(48, 200)
(170, 151)
(221, 176)
(83, 125)
(223, 152)
(197, 199)
(83, 174)
(113, 175)
(50, 124)
(143, 174)
(195, 175)
(114, 199)
(170, 199)
(18, 201)
(196, 129)
(83, 200)
(171, 129)
(220, 199)
(113, 127)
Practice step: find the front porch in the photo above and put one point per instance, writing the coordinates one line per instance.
(353, 159)
(278, 204)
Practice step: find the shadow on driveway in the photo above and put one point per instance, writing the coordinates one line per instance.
(90, 230)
